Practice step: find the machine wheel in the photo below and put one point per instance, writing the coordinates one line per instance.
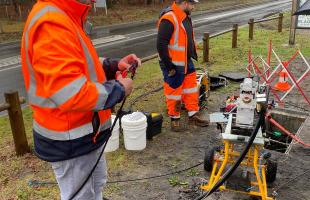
(209, 159)
(271, 171)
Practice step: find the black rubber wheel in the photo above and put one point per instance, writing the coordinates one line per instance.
(271, 171)
(208, 159)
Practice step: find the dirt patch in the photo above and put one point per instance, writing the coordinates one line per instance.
(169, 152)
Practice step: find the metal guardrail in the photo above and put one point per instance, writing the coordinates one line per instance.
(234, 30)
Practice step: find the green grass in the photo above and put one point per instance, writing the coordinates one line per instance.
(15, 172)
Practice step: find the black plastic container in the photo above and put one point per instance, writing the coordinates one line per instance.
(154, 124)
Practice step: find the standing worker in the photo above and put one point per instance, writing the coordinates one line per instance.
(71, 92)
(176, 48)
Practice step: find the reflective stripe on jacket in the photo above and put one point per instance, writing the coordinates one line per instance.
(178, 43)
(64, 80)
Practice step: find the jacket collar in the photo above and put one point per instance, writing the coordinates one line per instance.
(181, 15)
(76, 10)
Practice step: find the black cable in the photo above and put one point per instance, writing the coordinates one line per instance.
(143, 95)
(289, 181)
(237, 163)
(157, 176)
(32, 183)
(118, 114)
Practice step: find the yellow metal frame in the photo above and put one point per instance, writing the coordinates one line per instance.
(251, 161)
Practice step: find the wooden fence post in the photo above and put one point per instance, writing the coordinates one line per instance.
(206, 39)
(280, 25)
(17, 123)
(251, 29)
(235, 36)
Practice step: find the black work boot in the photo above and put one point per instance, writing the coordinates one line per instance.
(176, 125)
(198, 119)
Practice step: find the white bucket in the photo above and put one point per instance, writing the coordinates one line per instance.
(113, 143)
(134, 130)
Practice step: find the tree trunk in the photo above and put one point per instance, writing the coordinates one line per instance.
(15, 4)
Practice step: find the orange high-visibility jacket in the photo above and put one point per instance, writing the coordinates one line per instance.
(178, 43)
(65, 81)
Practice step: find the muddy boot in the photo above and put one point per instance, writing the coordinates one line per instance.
(176, 125)
(198, 119)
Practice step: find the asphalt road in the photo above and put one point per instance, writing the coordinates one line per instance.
(138, 39)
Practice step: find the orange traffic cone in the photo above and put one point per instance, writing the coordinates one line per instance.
(282, 85)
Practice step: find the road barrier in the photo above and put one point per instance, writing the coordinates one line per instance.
(234, 30)
(13, 106)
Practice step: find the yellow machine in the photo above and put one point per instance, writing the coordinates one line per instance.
(256, 167)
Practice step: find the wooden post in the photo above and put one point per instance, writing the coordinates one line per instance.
(17, 123)
(235, 36)
(19, 12)
(280, 25)
(293, 22)
(251, 29)
(206, 39)
(1, 28)
(7, 12)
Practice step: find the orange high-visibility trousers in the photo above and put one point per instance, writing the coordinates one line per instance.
(187, 93)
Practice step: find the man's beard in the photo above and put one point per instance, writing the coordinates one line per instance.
(187, 11)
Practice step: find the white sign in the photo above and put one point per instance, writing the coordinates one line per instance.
(303, 21)
(101, 3)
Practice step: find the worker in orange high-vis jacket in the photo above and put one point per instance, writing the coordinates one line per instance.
(176, 48)
(71, 92)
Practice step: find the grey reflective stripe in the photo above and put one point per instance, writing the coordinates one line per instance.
(176, 47)
(191, 113)
(102, 96)
(173, 97)
(178, 63)
(176, 33)
(36, 100)
(68, 91)
(71, 134)
(89, 60)
(190, 90)
(71, 89)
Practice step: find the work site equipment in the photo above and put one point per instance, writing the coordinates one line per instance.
(282, 84)
(241, 130)
(258, 66)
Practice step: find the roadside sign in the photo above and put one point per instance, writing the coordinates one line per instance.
(303, 21)
(101, 3)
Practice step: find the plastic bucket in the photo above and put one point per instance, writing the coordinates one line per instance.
(134, 130)
(113, 143)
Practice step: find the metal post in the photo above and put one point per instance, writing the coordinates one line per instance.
(17, 123)
(235, 36)
(293, 23)
(251, 29)
(280, 24)
(206, 40)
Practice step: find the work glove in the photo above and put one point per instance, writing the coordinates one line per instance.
(171, 69)
(126, 62)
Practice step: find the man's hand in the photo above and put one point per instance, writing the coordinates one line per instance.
(127, 61)
(126, 82)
